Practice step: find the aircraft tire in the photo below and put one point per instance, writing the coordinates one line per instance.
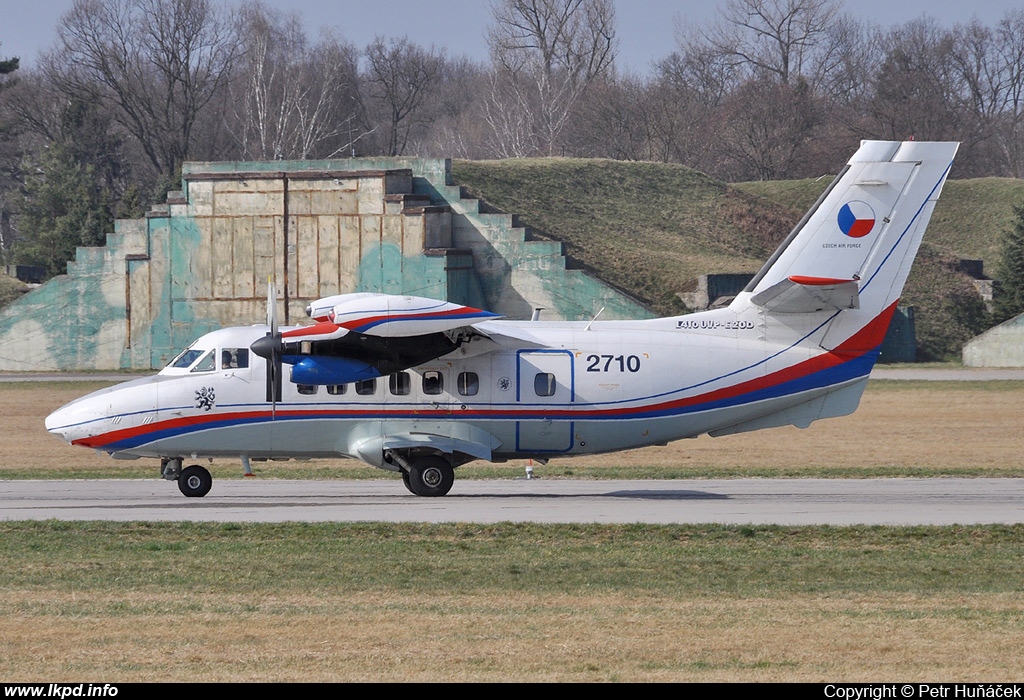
(195, 481)
(431, 476)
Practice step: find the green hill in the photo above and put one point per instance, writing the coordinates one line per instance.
(651, 229)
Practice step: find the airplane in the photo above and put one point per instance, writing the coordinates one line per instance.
(421, 387)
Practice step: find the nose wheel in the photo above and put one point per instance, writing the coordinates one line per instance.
(195, 481)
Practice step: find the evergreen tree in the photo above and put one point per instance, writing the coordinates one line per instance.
(64, 208)
(8, 65)
(1008, 296)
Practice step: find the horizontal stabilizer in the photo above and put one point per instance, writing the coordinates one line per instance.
(799, 294)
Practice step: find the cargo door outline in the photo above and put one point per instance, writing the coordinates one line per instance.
(545, 434)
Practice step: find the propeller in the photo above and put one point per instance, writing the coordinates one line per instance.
(270, 348)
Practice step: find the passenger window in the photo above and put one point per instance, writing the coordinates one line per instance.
(367, 387)
(433, 383)
(399, 383)
(336, 389)
(469, 383)
(306, 389)
(207, 364)
(544, 384)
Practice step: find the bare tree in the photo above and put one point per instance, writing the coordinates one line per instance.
(456, 127)
(159, 61)
(691, 85)
(400, 77)
(1009, 131)
(766, 124)
(295, 99)
(782, 38)
(916, 91)
(546, 53)
(988, 69)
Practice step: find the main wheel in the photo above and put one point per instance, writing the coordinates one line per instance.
(431, 476)
(195, 481)
(405, 480)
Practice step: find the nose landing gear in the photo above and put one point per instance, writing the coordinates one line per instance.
(193, 481)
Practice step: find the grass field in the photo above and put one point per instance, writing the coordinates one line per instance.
(107, 602)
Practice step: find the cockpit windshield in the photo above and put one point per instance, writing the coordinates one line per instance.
(185, 359)
(198, 359)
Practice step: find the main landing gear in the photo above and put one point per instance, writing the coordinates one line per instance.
(428, 475)
(193, 481)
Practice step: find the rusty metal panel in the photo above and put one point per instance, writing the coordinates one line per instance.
(391, 229)
(327, 256)
(369, 232)
(219, 262)
(200, 199)
(264, 250)
(298, 200)
(345, 202)
(278, 258)
(349, 253)
(371, 265)
(243, 279)
(248, 198)
(371, 196)
(414, 236)
(307, 264)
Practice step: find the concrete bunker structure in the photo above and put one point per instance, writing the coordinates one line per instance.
(202, 260)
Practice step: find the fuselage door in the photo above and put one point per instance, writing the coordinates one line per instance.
(545, 393)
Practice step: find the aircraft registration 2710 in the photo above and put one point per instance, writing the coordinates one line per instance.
(420, 387)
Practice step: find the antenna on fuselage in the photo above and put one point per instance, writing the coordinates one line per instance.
(594, 319)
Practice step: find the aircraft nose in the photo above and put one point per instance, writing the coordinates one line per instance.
(71, 421)
(57, 423)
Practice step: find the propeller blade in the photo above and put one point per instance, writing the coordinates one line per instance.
(271, 307)
(269, 348)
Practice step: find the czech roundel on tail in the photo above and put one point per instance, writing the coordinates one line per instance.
(420, 386)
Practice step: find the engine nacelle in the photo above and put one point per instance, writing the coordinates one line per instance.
(329, 370)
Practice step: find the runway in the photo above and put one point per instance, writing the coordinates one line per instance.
(727, 501)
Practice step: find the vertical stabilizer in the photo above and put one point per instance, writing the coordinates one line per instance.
(851, 254)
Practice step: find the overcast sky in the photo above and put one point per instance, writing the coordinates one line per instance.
(645, 27)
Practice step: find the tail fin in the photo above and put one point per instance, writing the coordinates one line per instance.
(853, 250)
(855, 247)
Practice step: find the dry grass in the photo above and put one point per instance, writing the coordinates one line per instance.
(61, 636)
(56, 632)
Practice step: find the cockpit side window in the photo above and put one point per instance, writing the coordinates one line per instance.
(206, 364)
(234, 358)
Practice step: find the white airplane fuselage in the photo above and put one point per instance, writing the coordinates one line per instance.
(422, 386)
(613, 385)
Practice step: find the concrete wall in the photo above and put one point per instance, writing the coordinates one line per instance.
(1002, 346)
(202, 260)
